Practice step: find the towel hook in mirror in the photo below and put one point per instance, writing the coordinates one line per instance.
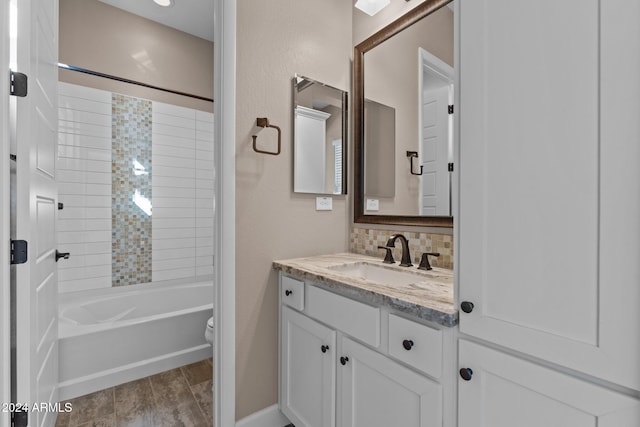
(263, 122)
(411, 155)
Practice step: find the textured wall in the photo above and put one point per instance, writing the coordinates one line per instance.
(103, 38)
(275, 40)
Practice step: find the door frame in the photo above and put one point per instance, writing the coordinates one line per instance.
(438, 69)
(5, 333)
(225, 211)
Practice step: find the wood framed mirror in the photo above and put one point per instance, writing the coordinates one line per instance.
(362, 213)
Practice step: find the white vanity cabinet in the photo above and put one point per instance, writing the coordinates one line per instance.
(506, 391)
(345, 363)
(308, 370)
(548, 211)
(376, 391)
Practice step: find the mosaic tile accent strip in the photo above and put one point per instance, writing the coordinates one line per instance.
(130, 190)
(366, 241)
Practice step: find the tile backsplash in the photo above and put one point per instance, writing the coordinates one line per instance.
(365, 241)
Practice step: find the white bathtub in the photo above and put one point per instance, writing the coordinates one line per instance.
(115, 335)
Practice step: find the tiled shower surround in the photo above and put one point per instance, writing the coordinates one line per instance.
(365, 241)
(131, 192)
(136, 179)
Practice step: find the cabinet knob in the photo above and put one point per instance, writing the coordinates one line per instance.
(466, 306)
(324, 348)
(343, 360)
(288, 292)
(407, 344)
(466, 374)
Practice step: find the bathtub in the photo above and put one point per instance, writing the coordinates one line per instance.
(115, 335)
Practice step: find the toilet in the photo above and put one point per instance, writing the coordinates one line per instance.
(208, 333)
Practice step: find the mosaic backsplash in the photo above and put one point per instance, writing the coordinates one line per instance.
(366, 241)
(131, 190)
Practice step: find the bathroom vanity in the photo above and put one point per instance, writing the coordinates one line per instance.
(364, 343)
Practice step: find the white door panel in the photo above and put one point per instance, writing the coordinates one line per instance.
(308, 357)
(375, 391)
(548, 191)
(434, 149)
(36, 140)
(505, 391)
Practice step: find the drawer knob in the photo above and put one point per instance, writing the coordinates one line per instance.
(466, 306)
(324, 348)
(288, 292)
(407, 344)
(343, 360)
(466, 374)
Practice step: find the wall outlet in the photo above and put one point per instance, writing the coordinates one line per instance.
(324, 203)
(373, 204)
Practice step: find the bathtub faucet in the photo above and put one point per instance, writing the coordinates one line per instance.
(406, 256)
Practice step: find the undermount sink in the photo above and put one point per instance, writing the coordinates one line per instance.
(380, 274)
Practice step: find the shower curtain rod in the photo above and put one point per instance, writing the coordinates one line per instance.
(133, 82)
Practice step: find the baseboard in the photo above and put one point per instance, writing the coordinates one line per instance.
(267, 417)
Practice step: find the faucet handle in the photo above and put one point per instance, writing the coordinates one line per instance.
(424, 262)
(388, 258)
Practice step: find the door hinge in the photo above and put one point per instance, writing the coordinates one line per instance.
(450, 167)
(19, 419)
(13, 157)
(19, 251)
(450, 109)
(18, 84)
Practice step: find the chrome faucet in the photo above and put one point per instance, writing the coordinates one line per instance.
(406, 256)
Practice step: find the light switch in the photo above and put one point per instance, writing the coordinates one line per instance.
(373, 204)
(324, 203)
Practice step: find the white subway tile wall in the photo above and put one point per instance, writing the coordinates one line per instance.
(84, 187)
(182, 158)
(205, 175)
(174, 181)
(182, 190)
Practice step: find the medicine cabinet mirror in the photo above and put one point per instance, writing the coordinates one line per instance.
(320, 137)
(404, 158)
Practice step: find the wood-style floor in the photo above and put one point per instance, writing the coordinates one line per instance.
(180, 397)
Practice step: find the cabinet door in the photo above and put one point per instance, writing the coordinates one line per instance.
(308, 362)
(377, 392)
(505, 391)
(549, 201)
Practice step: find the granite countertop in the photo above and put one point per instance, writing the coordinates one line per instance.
(430, 297)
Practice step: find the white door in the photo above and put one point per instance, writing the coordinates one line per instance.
(375, 391)
(36, 138)
(5, 307)
(308, 371)
(310, 150)
(549, 200)
(435, 151)
(504, 391)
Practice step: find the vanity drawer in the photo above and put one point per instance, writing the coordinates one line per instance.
(292, 292)
(354, 318)
(415, 344)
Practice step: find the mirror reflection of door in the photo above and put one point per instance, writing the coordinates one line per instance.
(436, 136)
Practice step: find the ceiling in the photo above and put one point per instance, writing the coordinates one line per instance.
(191, 16)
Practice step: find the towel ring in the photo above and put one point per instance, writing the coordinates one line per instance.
(263, 122)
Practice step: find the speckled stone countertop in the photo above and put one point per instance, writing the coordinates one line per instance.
(429, 298)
